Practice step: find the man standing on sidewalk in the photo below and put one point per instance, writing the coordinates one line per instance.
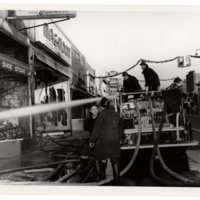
(105, 140)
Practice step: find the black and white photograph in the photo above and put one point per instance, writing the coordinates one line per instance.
(105, 96)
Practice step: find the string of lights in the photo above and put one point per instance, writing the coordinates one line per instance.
(147, 61)
(169, 79)
(110, 76)
(162, 61)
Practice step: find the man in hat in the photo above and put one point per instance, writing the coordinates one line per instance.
(105, 140)
(152, 81)
(130, 83)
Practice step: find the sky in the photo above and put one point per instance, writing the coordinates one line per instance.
(116, 40)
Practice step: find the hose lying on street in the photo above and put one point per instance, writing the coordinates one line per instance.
(68, 175)
(37, 166)
(56, 171)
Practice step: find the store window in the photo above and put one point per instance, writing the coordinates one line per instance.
(13, 94)
(52, 121)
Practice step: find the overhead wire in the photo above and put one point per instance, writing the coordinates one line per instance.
(148, 61)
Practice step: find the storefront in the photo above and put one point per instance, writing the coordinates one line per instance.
(14, 94)
(52, 60)
(15, 89)
(82, 85)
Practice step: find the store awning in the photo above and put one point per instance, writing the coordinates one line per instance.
(12, 32)
(48, 60)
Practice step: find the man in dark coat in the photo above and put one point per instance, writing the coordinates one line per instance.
(130, 85)
(152, 80)
(105, 138)
(86, 151)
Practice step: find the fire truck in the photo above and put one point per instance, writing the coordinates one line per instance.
(157, 129)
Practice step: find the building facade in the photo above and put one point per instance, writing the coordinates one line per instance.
(39, 65)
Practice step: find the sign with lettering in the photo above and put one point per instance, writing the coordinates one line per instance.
(14, 68)
(91, 86)
(184, 61)
(114, 91)
(112, 73)
(41, 14)
(54, 39)
(114, 82)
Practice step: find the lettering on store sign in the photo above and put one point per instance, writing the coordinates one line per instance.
(60, 47)
(11, 67)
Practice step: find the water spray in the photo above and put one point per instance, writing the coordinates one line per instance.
(38, 109)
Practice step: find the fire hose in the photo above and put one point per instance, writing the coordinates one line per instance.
(182, 180)
(37, 166)
(196, 130)
(185, 182)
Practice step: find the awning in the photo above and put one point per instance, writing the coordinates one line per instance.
(48, 60)
(12, 32)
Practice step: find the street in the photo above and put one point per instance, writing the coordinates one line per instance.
(38, 157)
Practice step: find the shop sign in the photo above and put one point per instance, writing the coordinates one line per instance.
(91, 86)
(112, 73)
(54, 39)
(42, 14)
(184, 61)
(114, 82)
(14, 68)
(114, 91)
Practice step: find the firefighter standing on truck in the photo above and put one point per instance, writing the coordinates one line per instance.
(152, 81)
(130, 84)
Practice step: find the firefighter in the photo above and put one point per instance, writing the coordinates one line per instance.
(105, 140)
(130, 84)
(152, 81)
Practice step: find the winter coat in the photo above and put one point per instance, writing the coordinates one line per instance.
(151, 78)
(106, 135)
(131, 85)
(89, 124)
(86, 150)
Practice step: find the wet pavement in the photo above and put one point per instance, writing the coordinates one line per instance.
(38, 157)
(194, 152)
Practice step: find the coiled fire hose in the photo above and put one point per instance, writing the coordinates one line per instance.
(184, 181)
